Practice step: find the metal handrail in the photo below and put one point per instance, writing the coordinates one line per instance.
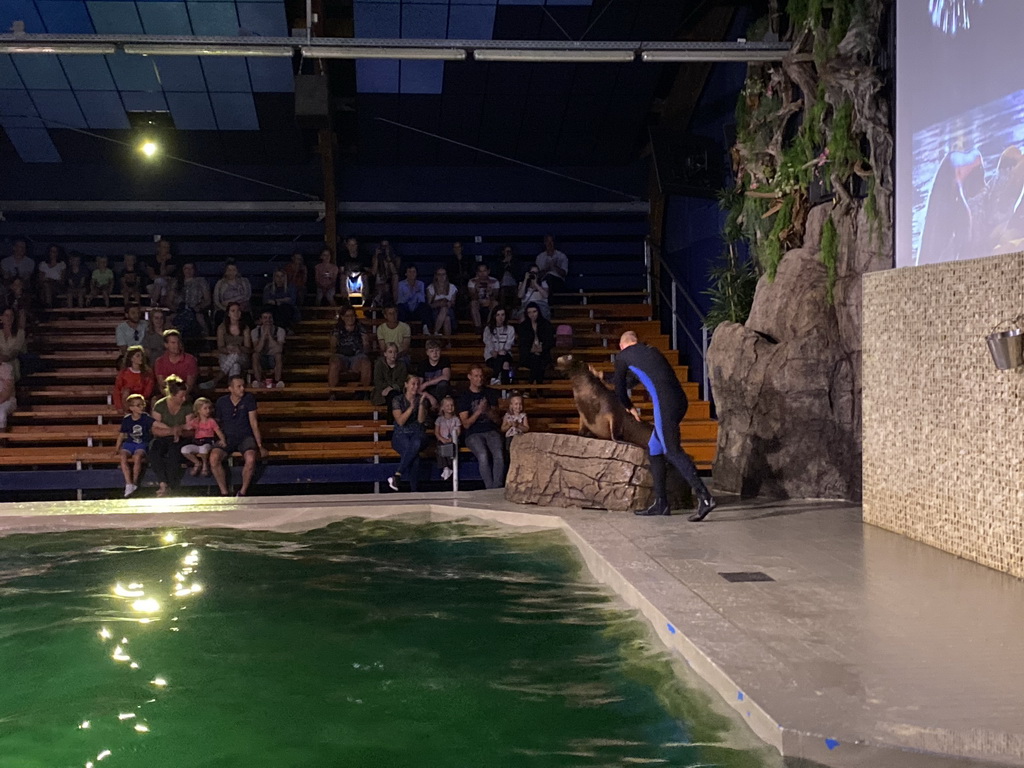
(650, 256)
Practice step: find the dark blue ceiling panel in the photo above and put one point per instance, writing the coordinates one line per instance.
(234, 111)
(114, 18)
(15, 103)
(568, 2)
(9, 77)
(377, 19)
(58, 108)
(271, 75)
(421, 76)
(65, 16)
(520, 2)
(471, 22)
(191, 111)
(228, 75)
(213, 18)
(424, 21)
(180, 73)
(88, 73)
(13, 121)
(262, 19)
(473, 2)
(377, 76)
(133, 73)
(34, 145)
(103, 110)
(41, 71)
(144, 101)
(20, 10)
(164, 19)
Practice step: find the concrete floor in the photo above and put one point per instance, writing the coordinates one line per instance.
(865, 649)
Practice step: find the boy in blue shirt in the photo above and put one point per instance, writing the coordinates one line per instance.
(133, 442)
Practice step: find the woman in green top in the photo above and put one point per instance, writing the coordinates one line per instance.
(389, 375)
(170, 414)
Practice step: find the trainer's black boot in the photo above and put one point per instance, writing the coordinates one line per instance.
(705, 504)
(659, 507)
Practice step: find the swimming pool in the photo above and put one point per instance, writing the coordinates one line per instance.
(366, 642)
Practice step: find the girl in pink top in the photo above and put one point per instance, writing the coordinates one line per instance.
(206, 433)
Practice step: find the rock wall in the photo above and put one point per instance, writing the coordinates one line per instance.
(787, 383)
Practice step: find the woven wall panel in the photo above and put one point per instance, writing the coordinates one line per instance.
(943, 428)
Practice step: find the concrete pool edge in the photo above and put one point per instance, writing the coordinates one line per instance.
(638, 578)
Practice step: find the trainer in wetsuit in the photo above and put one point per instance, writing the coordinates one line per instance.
(669, 400)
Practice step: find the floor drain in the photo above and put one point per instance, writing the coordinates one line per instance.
(738, 576)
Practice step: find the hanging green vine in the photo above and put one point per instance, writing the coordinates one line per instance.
(830, 257)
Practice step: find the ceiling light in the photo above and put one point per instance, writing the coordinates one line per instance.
(712, 54)
(209, 50)
(149, 148)
(579, 56)
(62, 48)
(368, 52)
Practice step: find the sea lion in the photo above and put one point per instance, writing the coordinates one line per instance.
(601, 413)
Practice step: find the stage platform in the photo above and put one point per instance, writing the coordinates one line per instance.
(838, 643)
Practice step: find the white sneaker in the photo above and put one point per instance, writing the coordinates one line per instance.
(392, 484)
(446, 473)
(130, 489)
(280, 385)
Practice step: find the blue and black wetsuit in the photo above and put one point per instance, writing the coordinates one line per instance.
(670, 404)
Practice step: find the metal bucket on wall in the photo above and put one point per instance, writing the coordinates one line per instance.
(1007, 348)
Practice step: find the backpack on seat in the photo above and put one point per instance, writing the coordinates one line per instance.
(563, 337)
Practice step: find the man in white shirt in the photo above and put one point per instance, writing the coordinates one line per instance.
(267, 351)
(483, 294)
(132, 330)
(18, 264)
(554, 266)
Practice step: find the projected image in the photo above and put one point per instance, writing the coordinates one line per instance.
(968, 182)
(951, 16)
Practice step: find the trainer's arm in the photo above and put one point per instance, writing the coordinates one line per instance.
(621, 392)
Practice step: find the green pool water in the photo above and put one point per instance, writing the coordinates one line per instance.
(360, 644)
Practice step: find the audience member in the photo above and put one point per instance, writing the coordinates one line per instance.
(499, 341)
(101, 282)
(230, 289)
(352, 250)
(16, 297)
(353, 284)
(161, 274)
(393, 331)
(447, 427)
(8, 401)
(478, 411)
(412, 301)
(205, 434)
(441, 295)
(191, 302)
(515, 422)
(483, 295)
(79, 279)
(298, 277)
(409, 411)
(267, 352)
(460, 268)
(131, 280)
(170, 414)
(175, 361)
(437, 372)
(153, 340)
(51, 275)
(236, 414)
(280, 298)
(509, 271)
(389, 374)
(134, 378)
(234, 342)
(350, 350)
(553, 265)
(536, 340)
(19, 263)
(385, 267)
(12, 340)
(133, 442)
(132, 329)
(326, 276)
(534, 290)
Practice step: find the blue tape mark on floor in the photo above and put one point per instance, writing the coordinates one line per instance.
(671, 628)
(831, 744)
(739, 695)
